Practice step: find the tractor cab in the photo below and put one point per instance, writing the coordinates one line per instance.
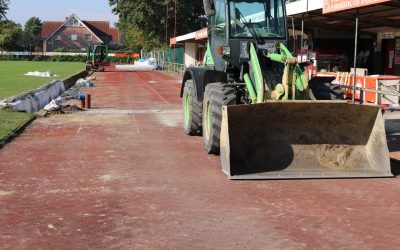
(234, 24)
(97, 57)
(247, 21)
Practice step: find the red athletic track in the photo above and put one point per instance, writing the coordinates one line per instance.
(124, 176)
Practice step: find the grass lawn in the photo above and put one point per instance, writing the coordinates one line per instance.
(13, 81)
(10, 120)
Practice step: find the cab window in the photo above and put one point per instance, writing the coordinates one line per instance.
(219, 20)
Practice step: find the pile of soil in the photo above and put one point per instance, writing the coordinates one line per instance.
(71, 93)
(63, 109)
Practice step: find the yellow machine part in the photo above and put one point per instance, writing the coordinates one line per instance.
(303, 139)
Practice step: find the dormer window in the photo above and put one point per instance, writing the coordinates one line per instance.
(73, 22)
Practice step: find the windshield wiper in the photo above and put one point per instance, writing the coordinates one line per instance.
(250, 28)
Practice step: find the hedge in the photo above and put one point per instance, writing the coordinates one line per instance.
(56, 58)
(63, 58)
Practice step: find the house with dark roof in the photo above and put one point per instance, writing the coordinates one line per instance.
(74, 33)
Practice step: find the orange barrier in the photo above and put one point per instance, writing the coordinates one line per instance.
(374, 82)
(127, 55)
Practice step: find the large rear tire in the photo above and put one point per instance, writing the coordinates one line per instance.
(191, 110)
(215, 96)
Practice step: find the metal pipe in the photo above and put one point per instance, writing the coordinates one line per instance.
(88, 101)
(302, 38)
(368, 90)
(277, 57)
(355, 59)
(361, 96)
(294, 35)
(166, 25)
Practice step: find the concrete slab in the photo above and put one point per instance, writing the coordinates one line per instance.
(124, 176)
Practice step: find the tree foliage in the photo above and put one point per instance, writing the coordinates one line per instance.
(32, 33)
(144, 21)
(10, 32)
(3, 8)
(136, 39)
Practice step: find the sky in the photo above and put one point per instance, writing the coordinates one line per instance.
(56, 10)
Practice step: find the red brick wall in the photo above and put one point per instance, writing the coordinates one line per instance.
(66, 42)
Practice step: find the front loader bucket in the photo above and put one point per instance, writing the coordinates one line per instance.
(303, 139)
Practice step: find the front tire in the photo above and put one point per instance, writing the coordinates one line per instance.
(192, 110)
(215, 96)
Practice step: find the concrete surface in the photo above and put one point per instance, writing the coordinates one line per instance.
(124, 176)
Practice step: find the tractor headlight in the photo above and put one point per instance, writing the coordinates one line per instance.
(224, 50)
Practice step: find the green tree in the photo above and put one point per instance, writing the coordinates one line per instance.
(136, 39)
(10, 32)
(31, 37)
(3, 9)
(148, 18)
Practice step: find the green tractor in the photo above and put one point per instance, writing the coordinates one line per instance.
(253, 105)
(97, 58)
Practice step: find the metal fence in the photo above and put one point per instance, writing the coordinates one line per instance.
(158, 55)
(165, 61)
(174, 68)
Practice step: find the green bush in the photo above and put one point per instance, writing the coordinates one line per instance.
(38, 58)
(118, 48)
(56, 58)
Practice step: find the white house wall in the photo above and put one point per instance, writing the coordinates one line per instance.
(300, 6)
(190, 54)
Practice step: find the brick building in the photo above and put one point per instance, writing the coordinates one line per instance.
(74, 33)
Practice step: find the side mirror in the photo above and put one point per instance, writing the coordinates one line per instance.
(209, 7)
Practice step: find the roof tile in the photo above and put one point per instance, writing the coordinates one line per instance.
(114, 32)
(49, 27)
(100, 28)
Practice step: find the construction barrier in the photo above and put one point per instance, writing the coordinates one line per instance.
(376, 89)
